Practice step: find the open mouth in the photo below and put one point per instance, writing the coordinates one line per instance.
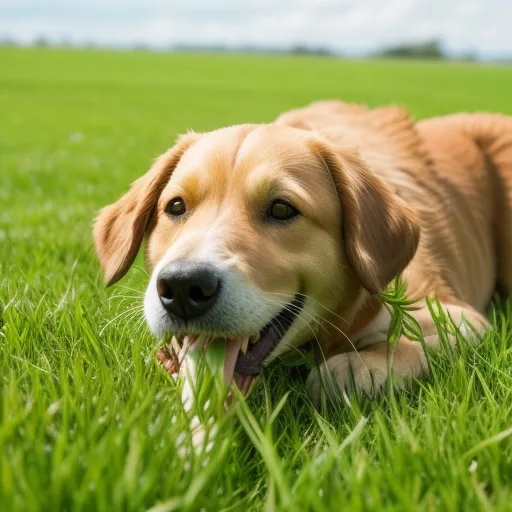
(245, 355)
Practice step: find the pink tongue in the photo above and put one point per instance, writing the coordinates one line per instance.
(232, 350)
(233, 346)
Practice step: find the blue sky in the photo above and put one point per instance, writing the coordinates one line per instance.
(482, 26)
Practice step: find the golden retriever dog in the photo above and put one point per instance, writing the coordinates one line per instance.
(273, 235)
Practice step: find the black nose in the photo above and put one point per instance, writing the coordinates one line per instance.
(188, 289)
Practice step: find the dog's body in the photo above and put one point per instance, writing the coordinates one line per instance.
(456, 171)
(370, 195)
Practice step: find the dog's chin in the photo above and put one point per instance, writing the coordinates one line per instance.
(246, 353)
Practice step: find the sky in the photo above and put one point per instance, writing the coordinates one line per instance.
(348, 26)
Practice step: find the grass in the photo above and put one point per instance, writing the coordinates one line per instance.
(87, 419)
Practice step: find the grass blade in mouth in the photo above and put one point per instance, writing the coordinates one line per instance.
(203, 390)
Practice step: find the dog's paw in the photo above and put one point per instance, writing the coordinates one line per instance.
(362, 373)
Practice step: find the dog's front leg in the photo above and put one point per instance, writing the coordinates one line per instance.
(366, 371)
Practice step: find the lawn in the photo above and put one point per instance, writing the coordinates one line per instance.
(87, 418)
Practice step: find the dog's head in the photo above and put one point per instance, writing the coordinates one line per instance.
(256, 232)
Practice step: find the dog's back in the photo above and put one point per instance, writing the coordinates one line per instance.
(457, 172)
(472, 155)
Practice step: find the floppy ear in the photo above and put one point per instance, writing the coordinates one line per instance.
(380, 231)
(119, 228)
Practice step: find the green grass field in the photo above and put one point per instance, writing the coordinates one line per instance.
(87, 417)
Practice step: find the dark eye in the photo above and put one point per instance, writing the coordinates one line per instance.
(176, 207)
(281, 210)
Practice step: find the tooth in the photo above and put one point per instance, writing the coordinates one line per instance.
(255, 338)
(245, 344)
(184, 348)
(175, 345)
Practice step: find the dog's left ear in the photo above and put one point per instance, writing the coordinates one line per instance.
(380, 231)
(119, 228)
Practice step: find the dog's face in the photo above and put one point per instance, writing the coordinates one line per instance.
(254, 233)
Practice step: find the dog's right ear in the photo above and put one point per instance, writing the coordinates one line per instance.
(381, 232)
(119, 228)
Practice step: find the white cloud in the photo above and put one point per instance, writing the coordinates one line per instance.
(350, 25)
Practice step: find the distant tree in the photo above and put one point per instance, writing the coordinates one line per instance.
(65, 43)
(141, 46)
(41, 42)
(425, 50)
(302, 49)
(8, 42)
(468, 57)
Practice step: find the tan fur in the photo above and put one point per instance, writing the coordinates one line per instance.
(379, 196)
(375, 221)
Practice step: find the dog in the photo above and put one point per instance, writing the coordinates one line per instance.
(273, 235)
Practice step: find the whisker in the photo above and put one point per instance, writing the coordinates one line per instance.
(305, 295)
(122, 303)
(342, 333)
(128, 311)
(136, 327)
(331, 324)
(142, 324)
(138, 292)
(318, 345)
(281, 333)
(133, 297)
(325, 376)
